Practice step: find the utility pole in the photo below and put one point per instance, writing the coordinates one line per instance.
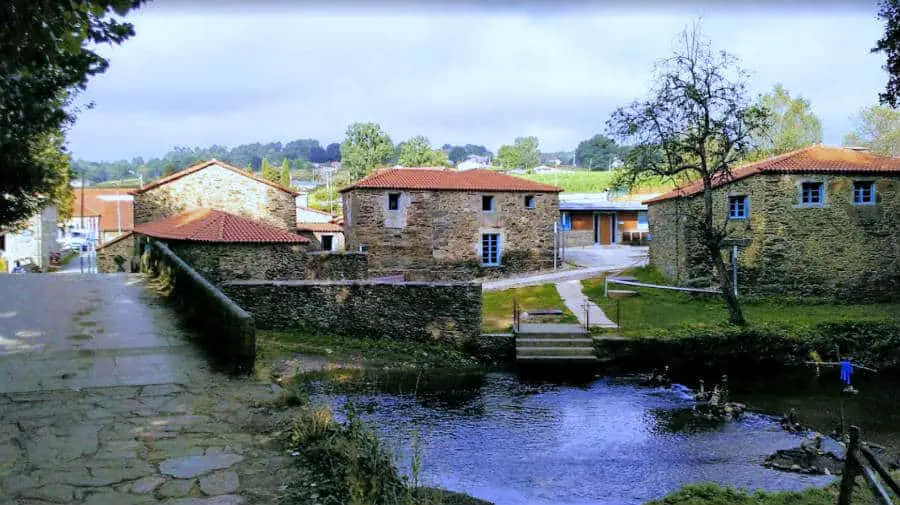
(118, 214)
(80, 256)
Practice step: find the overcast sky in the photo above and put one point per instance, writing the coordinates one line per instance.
(198, 73)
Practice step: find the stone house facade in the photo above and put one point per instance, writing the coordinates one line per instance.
(437, 223)
(821, 221)
(216, 185)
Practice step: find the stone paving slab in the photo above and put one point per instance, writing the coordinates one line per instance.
(105, 400)
(584, 309)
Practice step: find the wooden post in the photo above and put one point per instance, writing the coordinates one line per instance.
(850, 467)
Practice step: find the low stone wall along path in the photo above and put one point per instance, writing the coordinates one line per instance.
(105, 400)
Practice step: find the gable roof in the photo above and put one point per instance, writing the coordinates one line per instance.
(110, 211)
(204, 164)
(207, 225)
(320, 227)
(448, 180)
(815, 159)
(117, 239)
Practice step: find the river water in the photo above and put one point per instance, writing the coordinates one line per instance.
(602, 441)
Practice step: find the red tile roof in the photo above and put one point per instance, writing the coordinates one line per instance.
(207, 225)
(816, 159)
(449, 180)
(117, 239)
(110, 212)
(204, 164)
(320, 227)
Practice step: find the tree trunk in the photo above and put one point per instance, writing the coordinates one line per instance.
(735, 314)
(713, 245)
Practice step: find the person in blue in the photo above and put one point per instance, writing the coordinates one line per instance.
(18, 268)
(846, 372)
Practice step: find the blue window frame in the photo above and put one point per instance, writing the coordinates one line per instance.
(812, 193)
(642, 217)
(864, 193)
(738, 207)
(566, 221)
(490, 249)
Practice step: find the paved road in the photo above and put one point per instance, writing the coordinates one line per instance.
(104, 399)
(590, 261)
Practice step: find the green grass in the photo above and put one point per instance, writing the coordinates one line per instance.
(711, 494)
(586, 181)
(497, 306)
(272, 345)
(653, 311)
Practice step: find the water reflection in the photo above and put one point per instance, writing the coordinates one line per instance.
(604, 441)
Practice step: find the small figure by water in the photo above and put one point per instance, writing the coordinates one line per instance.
(714, 404)
(791, 422)
(809, 458)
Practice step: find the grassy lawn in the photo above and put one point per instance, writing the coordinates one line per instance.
(710, 494)
(497, 306)
(586, 181)
(655, 310)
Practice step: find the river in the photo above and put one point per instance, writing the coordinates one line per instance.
(604, 440)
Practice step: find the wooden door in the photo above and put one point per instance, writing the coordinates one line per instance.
(605, 221)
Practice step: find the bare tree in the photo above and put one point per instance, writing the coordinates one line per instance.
(696, 124)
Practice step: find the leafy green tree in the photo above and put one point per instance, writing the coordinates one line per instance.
(365, 148)
(250, 167)
(597, 152)
(46, 57)
(457, 154)
(890, 45)
(417, 152)
(285, 176)
(169, 169)
(877, 128)
(794, 125)
(269, 172)
(523, 153)
(698, 123)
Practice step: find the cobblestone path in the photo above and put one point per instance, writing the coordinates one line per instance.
(104, 400)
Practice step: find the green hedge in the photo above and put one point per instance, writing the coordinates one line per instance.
(747, 350)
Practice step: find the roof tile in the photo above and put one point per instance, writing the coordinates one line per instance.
(207, 225)
(448, 180)
(816, 159)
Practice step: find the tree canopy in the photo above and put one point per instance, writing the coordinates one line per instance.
(365, 148)
(417, 152)
(794, 125)
(523, 153)
(890, 45)
(877, 128)
(284, 176)
(697, 123)
(597, 152)
(46, 57)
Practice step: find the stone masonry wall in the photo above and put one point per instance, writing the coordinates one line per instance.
(439, 232)
(840, 250)
(217, 188)
(223, 262)
(446, 313)
(106, 256)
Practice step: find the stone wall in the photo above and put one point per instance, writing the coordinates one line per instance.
(440, 231)
(217, 188)
(837, 250)
(226, 329)
(447, 313)
(124, 247)
(223, 262)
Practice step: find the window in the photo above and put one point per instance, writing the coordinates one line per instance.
(327, 242)
(642, 222)
(738, 207)
(566, 221)
(864, 193)
(811, 193)
(393, 201)
(490, 249)
(529, 201)
(487, 203)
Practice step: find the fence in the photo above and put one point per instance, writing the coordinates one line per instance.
(860, 460)
(626, 282)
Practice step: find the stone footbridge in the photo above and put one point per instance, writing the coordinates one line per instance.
(104, 399)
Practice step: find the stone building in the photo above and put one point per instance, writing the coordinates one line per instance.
(820, 221)
(31, 241)
(216, 185)
(440, 223)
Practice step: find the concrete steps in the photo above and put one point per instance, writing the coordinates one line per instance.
(554, 343)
